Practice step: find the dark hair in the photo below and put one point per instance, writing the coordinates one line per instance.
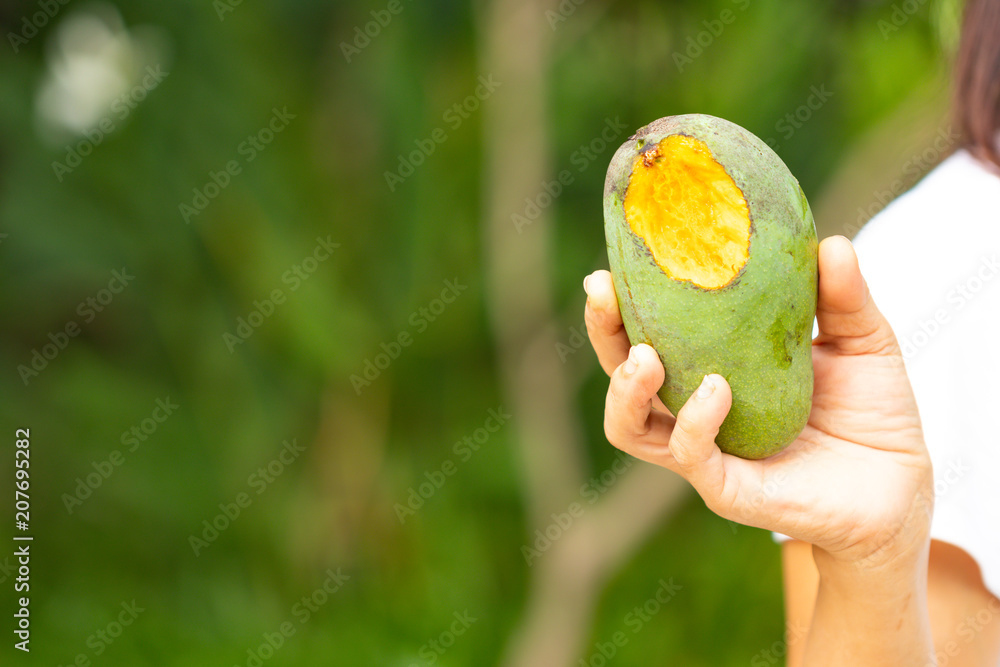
(977, 79)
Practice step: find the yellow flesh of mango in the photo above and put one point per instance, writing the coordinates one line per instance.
(689, 211)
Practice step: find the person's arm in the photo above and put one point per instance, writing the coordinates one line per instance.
(857, 483)
(870, 616)
(964, 615)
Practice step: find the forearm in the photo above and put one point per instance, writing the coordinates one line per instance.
(871, 616)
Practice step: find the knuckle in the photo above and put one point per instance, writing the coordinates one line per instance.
(617, 426)
(689, 455)
(889, 343)
(628, 394)
(600, 320)
(683, 431)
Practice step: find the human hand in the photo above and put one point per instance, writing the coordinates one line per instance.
(857, 482)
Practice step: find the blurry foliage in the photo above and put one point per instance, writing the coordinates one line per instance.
(324, 175)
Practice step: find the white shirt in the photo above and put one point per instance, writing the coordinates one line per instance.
(932, 262)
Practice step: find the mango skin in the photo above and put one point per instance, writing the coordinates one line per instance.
(757, 330)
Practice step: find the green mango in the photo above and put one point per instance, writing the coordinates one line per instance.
(713, 250)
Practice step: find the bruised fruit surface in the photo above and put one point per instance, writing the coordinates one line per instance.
(688, 210)
(713, 250)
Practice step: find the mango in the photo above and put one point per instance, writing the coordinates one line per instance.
(712, 248)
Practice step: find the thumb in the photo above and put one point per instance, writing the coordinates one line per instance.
(848, 318)
(698, 459)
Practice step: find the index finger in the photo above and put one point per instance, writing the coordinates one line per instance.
(604, 321)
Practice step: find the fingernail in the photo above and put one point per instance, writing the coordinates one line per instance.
(585, 286)
(631, 364)
(706, 389)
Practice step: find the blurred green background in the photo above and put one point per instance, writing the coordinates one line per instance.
(357, 227)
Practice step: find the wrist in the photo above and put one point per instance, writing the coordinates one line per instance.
(886, 574)
(871, 614)
(895, 545)
(893, 572)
